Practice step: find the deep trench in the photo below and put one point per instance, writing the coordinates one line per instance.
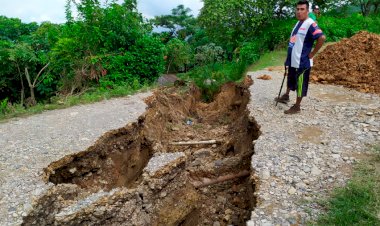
(206, 183)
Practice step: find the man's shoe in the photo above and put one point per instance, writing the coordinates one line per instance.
(283, 99)
(293, 110)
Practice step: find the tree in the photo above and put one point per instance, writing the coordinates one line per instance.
(181, 24)
(238, 19)
(12, 29)
(25, 59)
(179, 55)
(366, 6)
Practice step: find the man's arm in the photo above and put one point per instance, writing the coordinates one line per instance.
(318, 46)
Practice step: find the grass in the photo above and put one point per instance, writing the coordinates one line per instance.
(269, 59)
(358, 203)
(60, 102)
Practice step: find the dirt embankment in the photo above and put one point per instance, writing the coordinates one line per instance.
(353, 63)
(185, 162)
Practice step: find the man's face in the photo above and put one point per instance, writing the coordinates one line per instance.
(316, 11)
(302, 12)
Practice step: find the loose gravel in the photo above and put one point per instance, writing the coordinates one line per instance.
(300, 158)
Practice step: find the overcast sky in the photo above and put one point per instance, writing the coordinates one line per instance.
(54, 10)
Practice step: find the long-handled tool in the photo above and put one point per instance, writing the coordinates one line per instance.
(282, 84)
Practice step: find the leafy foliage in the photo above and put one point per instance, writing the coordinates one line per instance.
(180, 23)
(209, 54)
(179, 55)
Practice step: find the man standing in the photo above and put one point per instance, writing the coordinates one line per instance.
(313, 15)
(300, 55)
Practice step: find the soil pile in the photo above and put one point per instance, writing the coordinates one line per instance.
(185, 162)
(353, 63)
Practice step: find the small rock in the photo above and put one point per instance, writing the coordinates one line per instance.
(216, 223)
(201, 153)
(335, 151)
(251, 223)
(315, 171)
(369, 113)
(73, 170)
(175, 128)
(292, 191)
(265, 175)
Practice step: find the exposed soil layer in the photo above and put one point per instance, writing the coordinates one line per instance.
(353, 63)
(185, 162)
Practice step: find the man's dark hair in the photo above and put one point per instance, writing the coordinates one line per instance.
(304, 3)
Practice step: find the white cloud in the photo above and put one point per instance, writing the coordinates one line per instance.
(54, 10)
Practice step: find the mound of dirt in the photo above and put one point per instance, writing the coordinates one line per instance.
(185, 162)
(264, 77)
(353, 63)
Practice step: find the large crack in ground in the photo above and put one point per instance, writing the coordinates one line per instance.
(185, 162)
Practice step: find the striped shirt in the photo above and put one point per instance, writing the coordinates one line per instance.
(301, 43)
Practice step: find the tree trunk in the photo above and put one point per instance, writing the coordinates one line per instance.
(22, 86)
(170, 63)
(376, 9)
(31, 86)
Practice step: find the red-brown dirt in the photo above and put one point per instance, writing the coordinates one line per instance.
(352, 62)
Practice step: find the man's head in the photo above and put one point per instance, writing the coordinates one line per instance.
(315, 9)
(302, 10)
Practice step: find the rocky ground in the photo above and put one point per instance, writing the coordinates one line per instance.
(301, 158)
(298, 158)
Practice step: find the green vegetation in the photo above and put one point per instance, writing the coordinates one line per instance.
(358, 203)
(269, 59)
(111, 49)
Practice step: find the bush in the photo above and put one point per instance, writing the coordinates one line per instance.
(211, 77)
(143, 62)
(146, 59)
(208, 54)
(4, 106)
(337, 28)
(179, 55)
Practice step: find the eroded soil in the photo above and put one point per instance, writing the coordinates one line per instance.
(353, 62)
(157, 171)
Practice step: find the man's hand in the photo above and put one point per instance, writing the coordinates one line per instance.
(318, 46)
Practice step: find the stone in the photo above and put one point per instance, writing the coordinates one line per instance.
(216, 223)
(315, 171)
(265, 175)
(250, 223)
(292, 191)
(306, 169)
(201, 153)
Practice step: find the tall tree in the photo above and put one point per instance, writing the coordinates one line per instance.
(238, 19)
(180, 23)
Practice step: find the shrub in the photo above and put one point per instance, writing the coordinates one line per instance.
(146, 59)
(179, 55)
(208, 54)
